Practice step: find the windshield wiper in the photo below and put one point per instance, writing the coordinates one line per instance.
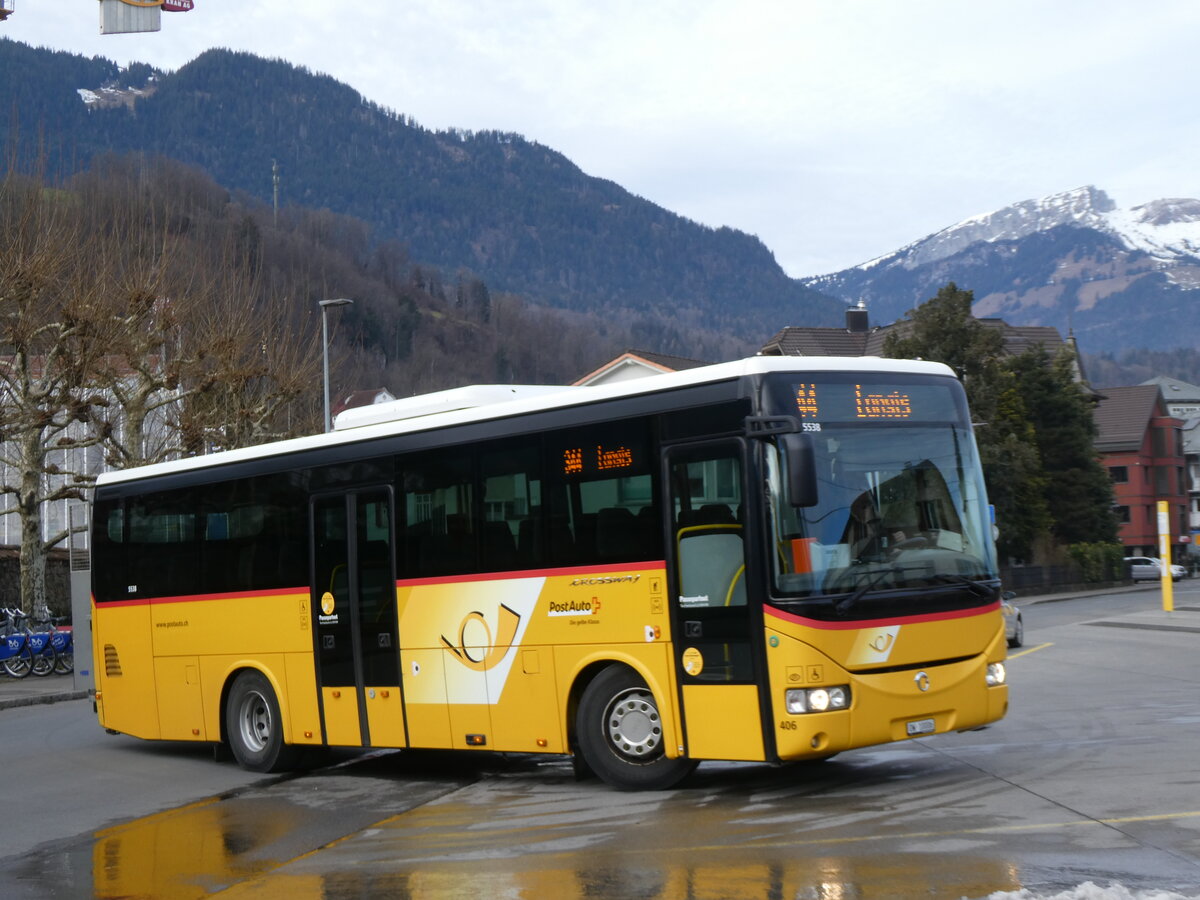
(843, 606)
(979, 590)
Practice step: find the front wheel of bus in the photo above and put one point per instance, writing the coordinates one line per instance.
(620, 733)
(254, 726)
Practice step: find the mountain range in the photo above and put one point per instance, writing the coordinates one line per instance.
(518, 214)
(528, 221)
(1116, 278)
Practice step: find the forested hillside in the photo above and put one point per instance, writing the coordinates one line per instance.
(516, 214)
(1136, 366)
(411, 328)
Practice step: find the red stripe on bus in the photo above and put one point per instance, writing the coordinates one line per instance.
(201, 598)
(607, 568)
(533, 573)
(876, 623)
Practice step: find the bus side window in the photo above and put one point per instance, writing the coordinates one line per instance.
(108, 551)
(439, 530)
(162, 551)
(708, 531)
(512, 533)
(601, 500)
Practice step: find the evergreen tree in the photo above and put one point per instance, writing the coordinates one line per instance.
(1079, 491)
(943, 330)
(1012, 465)
(1035, 431)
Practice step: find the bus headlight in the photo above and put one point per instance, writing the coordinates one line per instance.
(996, 674)
(811, 700)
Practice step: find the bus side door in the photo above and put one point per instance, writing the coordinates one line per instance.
(354, 599)
(712, 622)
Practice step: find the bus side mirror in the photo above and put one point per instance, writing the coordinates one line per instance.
(799, 457)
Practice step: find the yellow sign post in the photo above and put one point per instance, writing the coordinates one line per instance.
(1164, 555)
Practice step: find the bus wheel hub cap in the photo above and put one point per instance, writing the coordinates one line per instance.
(633, 724)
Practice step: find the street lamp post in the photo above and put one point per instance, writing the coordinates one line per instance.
(325, 304)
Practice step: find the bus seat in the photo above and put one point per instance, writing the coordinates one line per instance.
(498, 549)
(455, 551)
(559, 540)
(531, 541)
(585, 535)
(649, 531)
(715, 514)
(616, 533)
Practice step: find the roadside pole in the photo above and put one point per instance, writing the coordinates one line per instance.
(1164, 554)
(79, 520)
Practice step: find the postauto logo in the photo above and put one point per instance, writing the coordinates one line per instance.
(475, 648)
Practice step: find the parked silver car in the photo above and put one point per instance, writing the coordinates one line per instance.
(1149, 568)
(1014, 625)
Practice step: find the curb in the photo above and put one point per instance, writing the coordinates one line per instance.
(39, 699)
(1035, 599)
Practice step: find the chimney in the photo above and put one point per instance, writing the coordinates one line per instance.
(857, 318)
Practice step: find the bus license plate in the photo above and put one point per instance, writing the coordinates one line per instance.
(921, 726)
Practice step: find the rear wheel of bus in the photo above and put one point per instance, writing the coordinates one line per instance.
(254, 727)
(620, 734)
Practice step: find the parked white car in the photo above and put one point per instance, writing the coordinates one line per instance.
(1149, 568)
(1014, 625)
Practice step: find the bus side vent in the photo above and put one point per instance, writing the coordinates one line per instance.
(112, 664)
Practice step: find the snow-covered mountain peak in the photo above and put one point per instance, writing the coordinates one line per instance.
(1168, 212)
(1166, 229)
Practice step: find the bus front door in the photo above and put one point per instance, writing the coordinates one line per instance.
(354, 600)
(712, 621)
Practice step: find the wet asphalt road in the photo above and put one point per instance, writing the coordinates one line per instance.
(1091, 777)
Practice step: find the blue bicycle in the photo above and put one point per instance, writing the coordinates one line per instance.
(14, 654)
(26, 651)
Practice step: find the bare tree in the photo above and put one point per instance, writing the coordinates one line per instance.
(205, 359)
(257, 376)
(50, 334)
(143, 368)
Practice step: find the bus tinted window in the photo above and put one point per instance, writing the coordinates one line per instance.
(250, 538)
(513, 532)
(439, 528)
(108, 551)
(604, 506)
(237, 536)
(161, 546)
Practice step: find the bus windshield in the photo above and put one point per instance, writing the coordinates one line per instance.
(901, 523)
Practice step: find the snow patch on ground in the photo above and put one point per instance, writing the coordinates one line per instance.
(1090, 891)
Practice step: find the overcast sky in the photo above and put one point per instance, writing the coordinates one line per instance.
(836, 130)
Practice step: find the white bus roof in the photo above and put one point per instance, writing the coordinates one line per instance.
(472, 396)
(422, 413)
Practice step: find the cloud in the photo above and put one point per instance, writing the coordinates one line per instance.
(834, 131)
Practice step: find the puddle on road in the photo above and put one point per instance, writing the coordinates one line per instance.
(808, 879)
(371, 831)
(201, 849)
(185, 853)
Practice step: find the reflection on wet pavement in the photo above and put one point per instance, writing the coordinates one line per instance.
(203, 848)
(184, 853)
(901, 822)
(818, 879)
(543, 836)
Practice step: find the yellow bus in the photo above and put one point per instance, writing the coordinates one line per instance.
(772, 559)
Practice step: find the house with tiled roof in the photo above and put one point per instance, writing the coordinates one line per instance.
(1141, 444)
(1182, 399)
(1183, 402)
(637, 364)
(860, 338)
